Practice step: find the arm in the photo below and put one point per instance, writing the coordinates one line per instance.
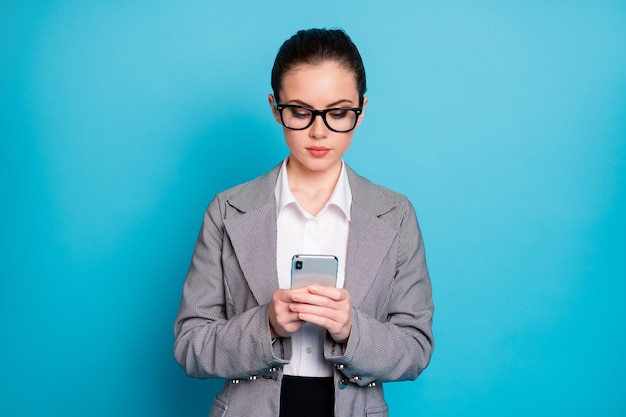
(211, 339)
(399, 345)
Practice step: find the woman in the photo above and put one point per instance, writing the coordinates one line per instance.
(319, 351)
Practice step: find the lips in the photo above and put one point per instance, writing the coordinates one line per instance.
(318, 151)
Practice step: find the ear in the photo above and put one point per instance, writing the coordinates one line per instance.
(271, 100)
(358, 123)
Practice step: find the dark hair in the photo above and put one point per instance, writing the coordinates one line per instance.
(314, 46)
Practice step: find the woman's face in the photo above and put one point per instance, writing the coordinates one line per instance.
(317, 149)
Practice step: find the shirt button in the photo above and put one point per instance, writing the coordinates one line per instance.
(309, 350)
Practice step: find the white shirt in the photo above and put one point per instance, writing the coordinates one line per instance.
(298, 232)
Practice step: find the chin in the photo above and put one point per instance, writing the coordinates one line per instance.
(322, 166)
(317, 164)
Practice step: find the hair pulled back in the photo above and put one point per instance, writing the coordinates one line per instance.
(314, 46)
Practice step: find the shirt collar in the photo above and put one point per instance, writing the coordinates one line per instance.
(341, 196)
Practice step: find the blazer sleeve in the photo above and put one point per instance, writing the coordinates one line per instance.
(399, 346)
(211, 341)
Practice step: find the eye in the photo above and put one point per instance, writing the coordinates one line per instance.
(338, 113)
(299, 113)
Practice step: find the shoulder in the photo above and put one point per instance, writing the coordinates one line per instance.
(375, 197)
(248, 195)
(371, 200)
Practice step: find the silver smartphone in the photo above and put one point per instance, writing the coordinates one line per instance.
(313, 269)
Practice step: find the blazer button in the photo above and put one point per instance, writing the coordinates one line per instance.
(355, 378)
(273, 369)
(341, 366)
(235, 381)
(373, 384)
(252, 377)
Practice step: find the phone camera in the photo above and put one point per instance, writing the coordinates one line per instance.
(298, 264)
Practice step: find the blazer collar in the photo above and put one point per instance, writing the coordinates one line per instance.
(260, 191)
(370, 197)
(255, 193)
(250, 221)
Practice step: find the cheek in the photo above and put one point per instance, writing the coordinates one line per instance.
(345, 143)
(292, 137)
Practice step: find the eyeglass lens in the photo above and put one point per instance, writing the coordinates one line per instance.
(340, 120)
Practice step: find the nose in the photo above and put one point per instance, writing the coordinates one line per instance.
(318, 129)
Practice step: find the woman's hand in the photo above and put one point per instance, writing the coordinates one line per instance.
(283, 321)
(325, 306)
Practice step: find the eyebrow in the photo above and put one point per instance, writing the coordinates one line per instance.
(331, 105)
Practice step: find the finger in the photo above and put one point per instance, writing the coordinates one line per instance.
(338, 303)
(306, 310)
(338, 330)
(308, 298)
(336, 294)
(286, 323)
(283, 295)
(321, 321)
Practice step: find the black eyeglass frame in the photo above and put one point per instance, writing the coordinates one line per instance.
(357, 110)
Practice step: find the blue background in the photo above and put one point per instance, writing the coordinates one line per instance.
(503, 121)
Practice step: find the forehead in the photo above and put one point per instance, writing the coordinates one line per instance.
(327, 81)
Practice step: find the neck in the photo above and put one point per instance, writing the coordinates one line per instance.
(312, 189)
(303, 178)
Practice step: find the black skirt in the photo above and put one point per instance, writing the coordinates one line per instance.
(307, 397)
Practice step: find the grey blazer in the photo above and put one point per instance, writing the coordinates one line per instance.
(222, 328)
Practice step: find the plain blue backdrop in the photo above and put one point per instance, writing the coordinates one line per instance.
(503, 121)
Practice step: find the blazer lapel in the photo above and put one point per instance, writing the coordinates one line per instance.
(369, 241)
(250, 222)
(370, 238)
(253, 236)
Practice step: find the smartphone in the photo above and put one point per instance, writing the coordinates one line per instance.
(313, 269)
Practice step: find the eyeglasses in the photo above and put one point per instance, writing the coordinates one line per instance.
(341, 119)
